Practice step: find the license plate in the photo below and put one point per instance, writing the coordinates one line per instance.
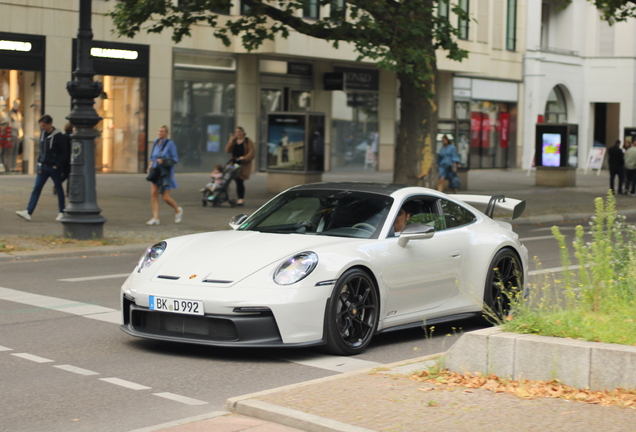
(164, 304)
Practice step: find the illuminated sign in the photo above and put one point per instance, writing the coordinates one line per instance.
(114, 53)
(15, 45)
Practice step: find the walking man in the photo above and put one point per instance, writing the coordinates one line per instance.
(53, 153)
(616, 166)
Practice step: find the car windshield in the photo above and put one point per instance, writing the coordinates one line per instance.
(322, 212)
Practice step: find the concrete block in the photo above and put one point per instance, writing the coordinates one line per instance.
(470, 352)
(546, 358)
(612, 366)
(501, 354)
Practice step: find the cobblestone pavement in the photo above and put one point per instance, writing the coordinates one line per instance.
(394, 403)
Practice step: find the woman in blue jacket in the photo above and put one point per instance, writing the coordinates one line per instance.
(163, 156)
(447, 160)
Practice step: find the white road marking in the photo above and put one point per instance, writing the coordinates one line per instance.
(5, 349)
(92, 278)
(552, 270)
(124, 383)
(33, 358)
(182, 399)
(86, 310)
(76, 370)
(332, 363)
(527, 239)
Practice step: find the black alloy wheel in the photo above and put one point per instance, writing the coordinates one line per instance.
(352, 315)
(504, 284)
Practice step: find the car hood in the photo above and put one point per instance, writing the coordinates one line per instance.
(229, 256)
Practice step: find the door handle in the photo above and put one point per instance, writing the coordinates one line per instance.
(455, 254)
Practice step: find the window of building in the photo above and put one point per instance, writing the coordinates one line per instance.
(511, 26)
(245, 9)
(556, 110)
(221, 7)
(443, 8)
(311, 9)
(338, 10)
(545, 25)
(203, 110)
(462, 24)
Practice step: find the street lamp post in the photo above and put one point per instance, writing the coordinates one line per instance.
(82, 218)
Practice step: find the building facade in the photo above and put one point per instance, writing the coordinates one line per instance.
(202, 90)
(578, 70)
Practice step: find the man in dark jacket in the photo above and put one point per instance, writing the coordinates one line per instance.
(53, 153)
(616, 162)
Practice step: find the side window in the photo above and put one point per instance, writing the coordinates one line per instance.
(423, 210)
(455, 215)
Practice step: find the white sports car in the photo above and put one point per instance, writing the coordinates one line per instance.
(329, 264)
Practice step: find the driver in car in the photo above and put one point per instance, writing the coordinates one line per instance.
(402, 218)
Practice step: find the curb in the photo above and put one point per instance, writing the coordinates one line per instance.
(549, 218)
(249, 406)
(66, 253)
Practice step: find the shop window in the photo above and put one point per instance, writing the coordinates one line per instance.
(311, 9)
(492, 134)
(354, 130)
(122, 141)
(463, 24)
(20, 109)
(556, 110)
(511, 26)
(203, 117)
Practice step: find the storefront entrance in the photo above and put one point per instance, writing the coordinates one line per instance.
(21, 78)
(121, 146)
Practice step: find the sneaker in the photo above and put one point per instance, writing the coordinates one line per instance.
(178, 216)
(153, 221)
(24, 214)
(59, 216)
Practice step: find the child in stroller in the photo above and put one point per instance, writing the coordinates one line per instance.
(217, 191)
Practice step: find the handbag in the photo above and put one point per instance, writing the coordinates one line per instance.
(153, 175)
(155, 172)
(455, 182)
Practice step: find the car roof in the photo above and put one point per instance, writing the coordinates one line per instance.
(369, 187)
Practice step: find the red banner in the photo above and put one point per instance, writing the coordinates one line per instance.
(485, 131)
(504, 129)
(475, 129)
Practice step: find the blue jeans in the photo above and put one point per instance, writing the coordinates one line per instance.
(44, 172)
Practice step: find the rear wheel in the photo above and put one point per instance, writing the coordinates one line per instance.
(503, 284)
(352, 314)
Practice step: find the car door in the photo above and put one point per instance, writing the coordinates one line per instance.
(423, 275)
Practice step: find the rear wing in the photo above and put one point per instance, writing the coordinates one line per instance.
(514, 205)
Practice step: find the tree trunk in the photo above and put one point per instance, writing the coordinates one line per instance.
(415, 149)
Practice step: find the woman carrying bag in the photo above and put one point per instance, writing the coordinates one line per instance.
(161, 175)
(242, 150)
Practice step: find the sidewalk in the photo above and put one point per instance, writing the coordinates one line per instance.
(125, 203)
(370, 400)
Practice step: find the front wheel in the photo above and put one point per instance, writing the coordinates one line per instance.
(504, 284)
(352, 314)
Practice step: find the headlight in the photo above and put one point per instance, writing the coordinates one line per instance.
(151, 255)
(295, 268)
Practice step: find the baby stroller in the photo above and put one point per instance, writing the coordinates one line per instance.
(218, 193)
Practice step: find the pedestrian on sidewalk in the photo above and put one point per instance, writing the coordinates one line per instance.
(163, 158)
(53, 151)
(447, 160)
(630, 170)
(242, 150)
(616, 162)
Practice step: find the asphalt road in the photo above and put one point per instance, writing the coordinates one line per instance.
(61, 371)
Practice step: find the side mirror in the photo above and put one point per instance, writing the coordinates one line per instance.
(414, 232)
(237, 220)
